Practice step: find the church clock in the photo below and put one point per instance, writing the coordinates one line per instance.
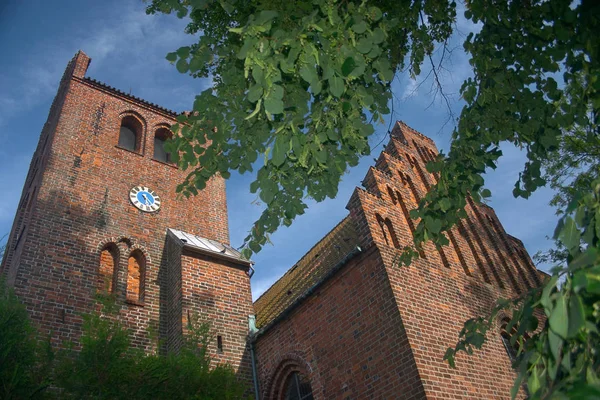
(145, 199)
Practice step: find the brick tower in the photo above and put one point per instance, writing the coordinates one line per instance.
(346, 322)
(99, 212)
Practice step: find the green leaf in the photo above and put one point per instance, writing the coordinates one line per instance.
(265, 16)
(375, 14)
(368, 100)
(348, 66)
(255, 247)
(255, 93)
(316, 88)
(434, 225)
(268, 191)
(485, 193)
(182, 66)
(378, 36)
(321, 156)
(593, 279)
(276, 92)
(366, 130)
(364, 45)
(183, 52)
(359, 27)
(559, 318)
(309, 74)
(533, 383)
(555, 343)
(445, 204)
(273, 105)
(576, 315)
(171, 57)
(336, 86)
(545, 300)
(279, 151)
(569, 234)
(449, 356)
(227, 7)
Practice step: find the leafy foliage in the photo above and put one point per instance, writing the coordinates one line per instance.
(22, 375)
(105, 366)
(299, 83)
(108, 367)
(296, 83)
(570, 171)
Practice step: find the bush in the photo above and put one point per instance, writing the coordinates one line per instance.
(105, 366)
(24, 361)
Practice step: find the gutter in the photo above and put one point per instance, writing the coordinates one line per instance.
(223, 256)
(254, 371)
(251, 331)
(306, 294)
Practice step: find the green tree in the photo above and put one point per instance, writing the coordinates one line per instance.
(570, 171)
(23, 360)
(106, 366)
(300, 83)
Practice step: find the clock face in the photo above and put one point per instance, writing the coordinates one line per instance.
(145, 199)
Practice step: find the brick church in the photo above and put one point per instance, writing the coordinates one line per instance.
(99, 212)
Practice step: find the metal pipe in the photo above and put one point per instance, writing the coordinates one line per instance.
(254, 372)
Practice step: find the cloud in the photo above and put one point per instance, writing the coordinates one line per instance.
(121, 43)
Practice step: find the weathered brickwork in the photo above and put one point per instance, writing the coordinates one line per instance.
(376, 320)
(347, 337)
(220, 292)
(76, 231)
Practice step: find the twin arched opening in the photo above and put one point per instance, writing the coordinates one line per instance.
(108, 272)
(131, 137)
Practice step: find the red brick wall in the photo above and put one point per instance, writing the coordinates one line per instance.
(219, 293)
(435, 295)
(420, 308)
(347, 337)
(77, 192)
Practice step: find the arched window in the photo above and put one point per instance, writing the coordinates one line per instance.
(297, 387)
(136, 270)
(130, 134)
(392, 197)
(387, 230)
(417, 169)
(160, 137)
(109, 265)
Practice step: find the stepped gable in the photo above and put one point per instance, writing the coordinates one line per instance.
(310, 270)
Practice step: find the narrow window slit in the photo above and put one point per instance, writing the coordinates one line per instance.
(495, 246)
(220, 344)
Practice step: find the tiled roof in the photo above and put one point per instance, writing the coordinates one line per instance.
(309, 271)
(129, 96)
(208, 246)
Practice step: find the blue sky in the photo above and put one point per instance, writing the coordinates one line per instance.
(128, 49)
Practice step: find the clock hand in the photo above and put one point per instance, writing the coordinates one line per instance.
(146, 198)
